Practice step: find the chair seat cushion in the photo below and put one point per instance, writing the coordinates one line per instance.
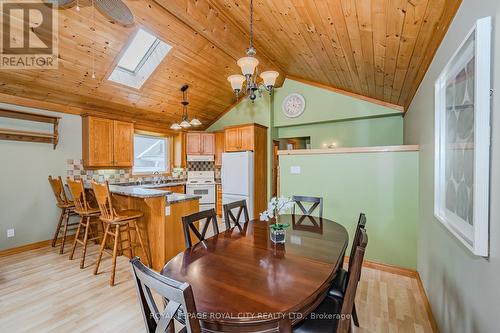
(339, 284)
(323, 319)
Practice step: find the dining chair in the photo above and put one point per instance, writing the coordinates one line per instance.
(339, 284)
(88, 218)
(317, 202)
(177, 297)
(188, 222)
(116, 222)
(67, 209)
(229, 216)
(334, 315)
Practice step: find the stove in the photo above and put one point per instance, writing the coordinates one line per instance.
(202, 183)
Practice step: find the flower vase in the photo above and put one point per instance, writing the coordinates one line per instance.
(278, 236)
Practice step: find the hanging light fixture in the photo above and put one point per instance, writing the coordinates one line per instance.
(248, 67)
(185, 123)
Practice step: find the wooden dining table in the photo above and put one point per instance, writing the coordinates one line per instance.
(243, 282)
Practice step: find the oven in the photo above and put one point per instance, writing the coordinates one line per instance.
(207, 193)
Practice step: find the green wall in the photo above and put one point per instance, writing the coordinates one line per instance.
(246, 112)
(324, 105)
(462, 289)
(384, 131)
(382, 185)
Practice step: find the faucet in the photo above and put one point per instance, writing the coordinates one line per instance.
(157, 179)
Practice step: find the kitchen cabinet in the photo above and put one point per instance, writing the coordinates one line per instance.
(200, 143)
(107, 143)
(219, 147)
(218, 200)
(174, 189)
(240, 138)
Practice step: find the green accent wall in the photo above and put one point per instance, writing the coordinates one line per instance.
(384, 131)
(246, 112)
(381, 185)
(324, 105)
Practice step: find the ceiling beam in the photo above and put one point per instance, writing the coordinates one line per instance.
(203, 17)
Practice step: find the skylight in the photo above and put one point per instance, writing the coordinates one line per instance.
(137, 50)
(142, 56)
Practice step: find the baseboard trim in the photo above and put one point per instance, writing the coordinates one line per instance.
(388, 268)
(32, 246)
(408, 273)
(427, 305)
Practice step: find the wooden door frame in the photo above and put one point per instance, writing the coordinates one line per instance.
(275, 169)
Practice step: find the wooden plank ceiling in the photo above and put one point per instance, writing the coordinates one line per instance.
(376, 48)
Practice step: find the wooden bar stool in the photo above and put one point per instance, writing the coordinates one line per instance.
(67, 208)
(88, 218)
(116, 222)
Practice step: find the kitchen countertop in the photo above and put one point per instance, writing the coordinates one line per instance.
(146, 191)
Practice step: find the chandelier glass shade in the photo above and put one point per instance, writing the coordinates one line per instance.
(249, 70)
(185, 123)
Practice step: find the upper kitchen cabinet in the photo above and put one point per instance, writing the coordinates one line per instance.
(219, 147)
(241, 138)
(200, 143)
(107, 143)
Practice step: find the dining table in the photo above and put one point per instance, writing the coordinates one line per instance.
(243, 282)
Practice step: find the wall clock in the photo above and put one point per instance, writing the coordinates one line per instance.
(293, 105)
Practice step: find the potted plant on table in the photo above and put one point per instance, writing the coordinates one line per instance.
(276, 207)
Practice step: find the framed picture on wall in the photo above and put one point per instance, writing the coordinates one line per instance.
(462, 140)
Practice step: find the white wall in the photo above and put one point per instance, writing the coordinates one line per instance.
(26, 200)
(463, 289)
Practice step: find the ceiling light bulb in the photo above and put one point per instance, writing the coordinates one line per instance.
(175, 126)
(269, 78)
(248, 65)
(195, 122)
(185, 124)
(236, 81)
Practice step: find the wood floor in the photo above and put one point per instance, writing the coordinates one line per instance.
(42, 291)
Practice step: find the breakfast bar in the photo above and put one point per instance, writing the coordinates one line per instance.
(161, 224)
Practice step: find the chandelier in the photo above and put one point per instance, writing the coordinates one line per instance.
(185, 123)
(248, 67)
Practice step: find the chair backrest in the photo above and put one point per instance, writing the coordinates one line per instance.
(103, 198)
(361, 225)
(178, 298)
(58, 189)
(189, 220)
(352, 282)
(229, 216)
(317, 202)
(78, 192)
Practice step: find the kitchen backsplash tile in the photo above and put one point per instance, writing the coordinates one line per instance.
(200, 165)
(75, 170)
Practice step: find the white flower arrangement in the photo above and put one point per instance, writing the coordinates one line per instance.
(277, 206)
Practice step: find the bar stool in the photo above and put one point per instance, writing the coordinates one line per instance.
(88, 218)
(116, 222)
(67, 208)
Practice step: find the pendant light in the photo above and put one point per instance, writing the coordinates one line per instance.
(185, 123)
(248, 67)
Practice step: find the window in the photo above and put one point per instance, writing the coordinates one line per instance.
(141, 58)
(151, 154)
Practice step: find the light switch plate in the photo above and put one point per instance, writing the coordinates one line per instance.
(167, 211)
(10, 233)
(295, 169)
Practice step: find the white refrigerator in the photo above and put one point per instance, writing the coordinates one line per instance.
(237, 178)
